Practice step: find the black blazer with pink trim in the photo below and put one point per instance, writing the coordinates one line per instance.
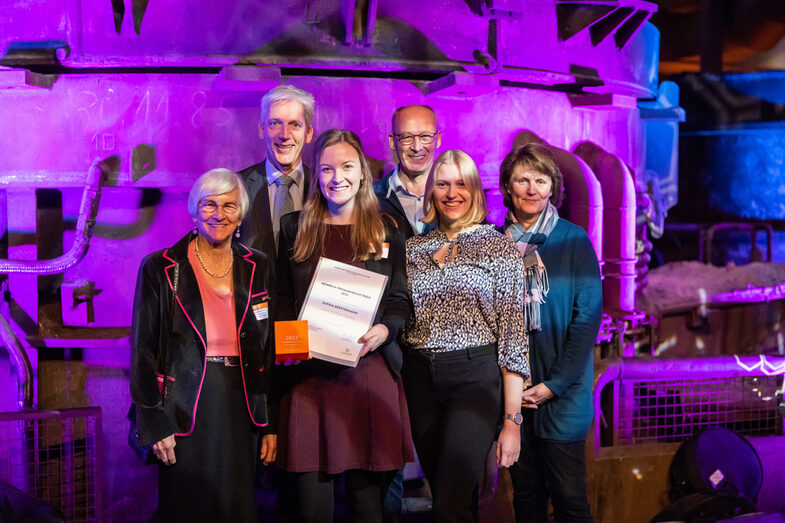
(152, 328)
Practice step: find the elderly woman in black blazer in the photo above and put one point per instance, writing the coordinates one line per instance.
(200, 342)
(336, 419)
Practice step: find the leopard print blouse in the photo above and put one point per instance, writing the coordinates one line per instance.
(473, 299)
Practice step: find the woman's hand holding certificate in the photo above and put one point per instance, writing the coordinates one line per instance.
(371, 340)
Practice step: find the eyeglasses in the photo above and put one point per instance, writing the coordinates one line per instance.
(408, 139)
(209, 207)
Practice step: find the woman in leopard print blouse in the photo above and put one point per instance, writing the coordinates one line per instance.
(466, 337)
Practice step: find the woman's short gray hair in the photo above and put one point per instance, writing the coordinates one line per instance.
(216, 182)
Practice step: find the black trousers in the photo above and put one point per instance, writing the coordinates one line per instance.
(552, 468)
(311, 496)
(455, 406)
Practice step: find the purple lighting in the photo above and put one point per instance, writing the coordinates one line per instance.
(166, 90)
(765, 366)
(751, 294)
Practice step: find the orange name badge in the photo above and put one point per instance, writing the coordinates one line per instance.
(261, 311)
(291, 340)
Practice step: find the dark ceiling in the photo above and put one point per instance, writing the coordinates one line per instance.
(720, 35)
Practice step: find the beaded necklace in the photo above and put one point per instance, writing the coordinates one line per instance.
(208, 271)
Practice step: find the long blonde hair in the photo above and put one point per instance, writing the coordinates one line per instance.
(367, 234)
(471, 179)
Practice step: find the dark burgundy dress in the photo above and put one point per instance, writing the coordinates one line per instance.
(335, 418)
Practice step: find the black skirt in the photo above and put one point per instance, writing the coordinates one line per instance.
(213, 477)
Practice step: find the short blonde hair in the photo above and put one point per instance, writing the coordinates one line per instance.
(216, 182)
(471, 179)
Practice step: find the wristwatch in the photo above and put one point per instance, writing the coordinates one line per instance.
(517, 417)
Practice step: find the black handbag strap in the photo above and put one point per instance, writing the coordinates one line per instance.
(165, 356)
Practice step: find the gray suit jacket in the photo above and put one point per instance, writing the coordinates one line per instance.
(256, 230)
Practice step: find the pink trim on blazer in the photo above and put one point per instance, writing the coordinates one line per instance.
(204, 345)
(239, 328)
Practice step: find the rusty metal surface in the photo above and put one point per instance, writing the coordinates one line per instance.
(519, 40)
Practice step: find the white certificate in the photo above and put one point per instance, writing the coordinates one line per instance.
(340, 307)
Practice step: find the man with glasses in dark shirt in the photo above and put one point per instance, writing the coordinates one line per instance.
(415, 137)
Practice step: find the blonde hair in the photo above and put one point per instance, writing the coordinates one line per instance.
(471, 179)
(368, 230)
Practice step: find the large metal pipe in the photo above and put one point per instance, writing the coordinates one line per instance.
(583, 201)
(21, 362)
(88, 209)
(85, 223)
(606, 371)
(618, 193)
(718, 367)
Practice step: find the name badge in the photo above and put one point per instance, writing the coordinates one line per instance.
(385, 250)
(261, 311)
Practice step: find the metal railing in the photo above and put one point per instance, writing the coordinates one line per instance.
(57, 457)
(751, 228)
(669, 400)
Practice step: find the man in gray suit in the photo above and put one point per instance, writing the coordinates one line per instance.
(279, 184)
(276, 186)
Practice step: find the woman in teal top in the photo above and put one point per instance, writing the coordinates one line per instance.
(563, 312)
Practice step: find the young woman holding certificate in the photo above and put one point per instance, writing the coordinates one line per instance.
(338, 419)
(467, 338)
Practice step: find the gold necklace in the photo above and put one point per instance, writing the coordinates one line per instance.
(208, 271)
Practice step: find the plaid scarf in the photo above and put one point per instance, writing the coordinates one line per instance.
(534, 272)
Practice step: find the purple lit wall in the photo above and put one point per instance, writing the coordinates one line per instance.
(191, 128)
(173, 90)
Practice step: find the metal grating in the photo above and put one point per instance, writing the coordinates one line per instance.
(55, 456)
(654, 411)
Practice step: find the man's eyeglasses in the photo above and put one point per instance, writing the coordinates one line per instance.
(408, 139)
(209, 207)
